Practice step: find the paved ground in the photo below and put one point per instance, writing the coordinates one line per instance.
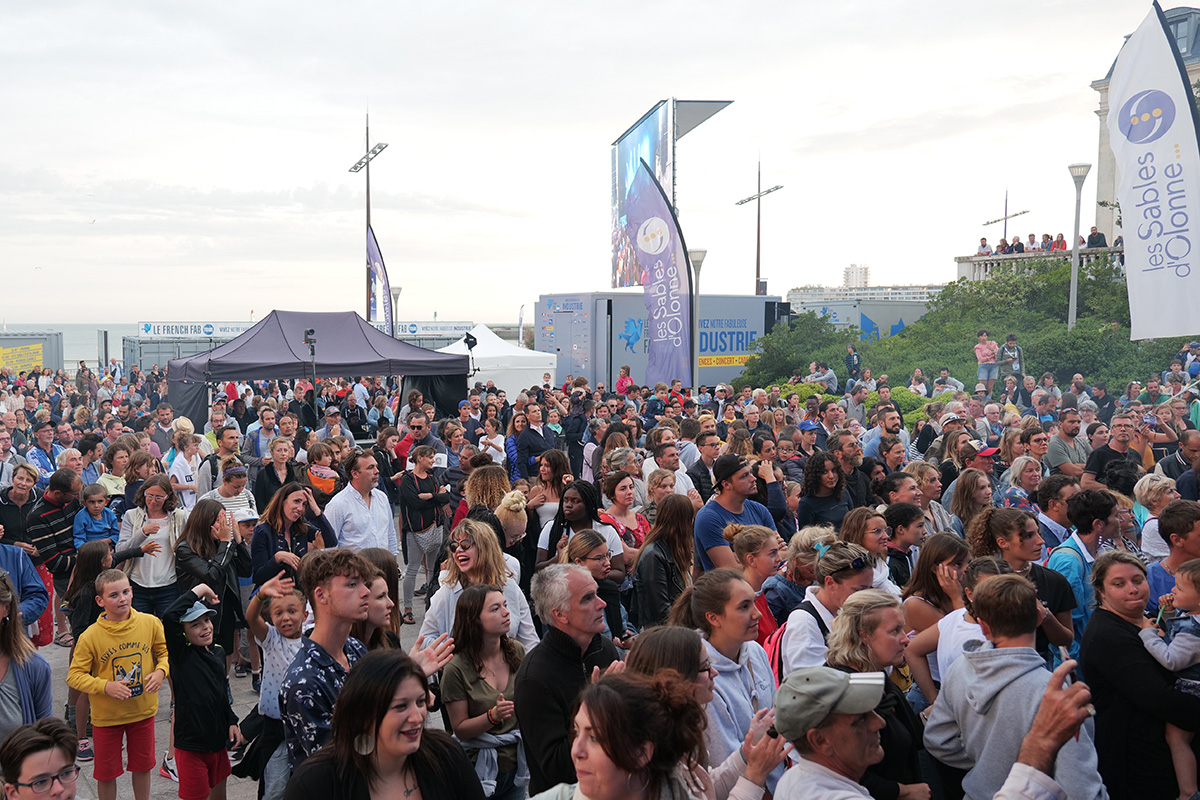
(243, 700)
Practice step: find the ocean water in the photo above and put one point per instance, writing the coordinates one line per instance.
(80, 339)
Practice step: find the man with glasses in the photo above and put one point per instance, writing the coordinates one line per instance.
(8, 459)
(1117, 450)
(420, 433)
(845, 448)
(733, 485)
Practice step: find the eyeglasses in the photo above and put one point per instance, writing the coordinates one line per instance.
(42, 785)
(599, 559)
(462, 544)
(155, 496)
(857, 565)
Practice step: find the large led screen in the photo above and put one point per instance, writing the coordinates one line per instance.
(652, 139)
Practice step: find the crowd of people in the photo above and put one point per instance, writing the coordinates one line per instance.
(1046, 244)
(646, 591)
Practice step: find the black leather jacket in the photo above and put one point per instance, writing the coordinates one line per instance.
(656, 583)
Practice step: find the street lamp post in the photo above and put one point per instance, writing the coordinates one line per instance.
(758, 235)
(697, 259)
(1079, 175)
(365, 161)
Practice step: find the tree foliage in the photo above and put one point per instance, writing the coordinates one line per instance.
(1030, 301)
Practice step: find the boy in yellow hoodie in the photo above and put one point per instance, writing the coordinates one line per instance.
(120, 662)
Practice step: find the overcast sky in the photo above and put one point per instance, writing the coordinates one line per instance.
(163, 161)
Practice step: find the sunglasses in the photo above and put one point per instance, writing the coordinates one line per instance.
(462, 544)
(857, 565)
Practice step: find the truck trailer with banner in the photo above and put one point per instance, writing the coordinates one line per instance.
(593, 334)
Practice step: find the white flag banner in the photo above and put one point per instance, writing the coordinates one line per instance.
(1152, 126)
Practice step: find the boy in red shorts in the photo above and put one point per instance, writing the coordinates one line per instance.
(120, 662)
(205, 724)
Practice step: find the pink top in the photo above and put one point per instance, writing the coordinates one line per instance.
(623, 384)
(985, 352)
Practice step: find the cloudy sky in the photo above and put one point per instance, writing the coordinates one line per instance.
(165, 161)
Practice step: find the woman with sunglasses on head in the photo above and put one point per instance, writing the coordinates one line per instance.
(474, 559)
(842, 570)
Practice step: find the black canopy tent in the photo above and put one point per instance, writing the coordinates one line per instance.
(346, 345)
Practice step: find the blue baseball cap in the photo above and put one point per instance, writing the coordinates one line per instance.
(808, 425)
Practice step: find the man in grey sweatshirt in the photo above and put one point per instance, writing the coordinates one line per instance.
(991, 694)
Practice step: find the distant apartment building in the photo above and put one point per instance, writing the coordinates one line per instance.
(810, 295)
(857, 276)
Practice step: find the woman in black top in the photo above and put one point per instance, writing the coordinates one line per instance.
(379, 746)
(824, 497)
(291, 524)
(869, 634)
(276, 473)
(211, 551)
(1134, 695)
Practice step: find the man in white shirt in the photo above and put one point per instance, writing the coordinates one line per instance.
(829, 716)
(360, 514)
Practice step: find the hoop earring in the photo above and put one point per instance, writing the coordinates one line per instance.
(364, 744)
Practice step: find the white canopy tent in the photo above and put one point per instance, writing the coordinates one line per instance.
(510, 367)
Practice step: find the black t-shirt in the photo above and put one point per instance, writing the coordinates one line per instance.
(1104, 455)
(1056, 595)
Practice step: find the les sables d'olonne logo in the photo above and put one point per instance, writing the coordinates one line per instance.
(1146, 116)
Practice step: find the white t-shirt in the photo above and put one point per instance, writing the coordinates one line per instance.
(278, 652)
(607, 531)
(953, 632)
(184, 471)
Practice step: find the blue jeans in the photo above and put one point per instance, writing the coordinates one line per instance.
(987, 372)
(506, 789)
(276, 773)
(154, 601)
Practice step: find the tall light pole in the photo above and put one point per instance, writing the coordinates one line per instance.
(1079, 175)
(365, 161)
(697, 259)
(758, 236)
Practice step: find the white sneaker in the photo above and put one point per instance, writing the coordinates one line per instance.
(167, 770)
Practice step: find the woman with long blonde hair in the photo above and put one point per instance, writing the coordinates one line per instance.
(475, 558)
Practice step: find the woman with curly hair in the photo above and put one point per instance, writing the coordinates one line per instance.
(823, 493)
(1012, 534)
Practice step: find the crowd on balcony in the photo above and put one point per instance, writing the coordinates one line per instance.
(1032, 245)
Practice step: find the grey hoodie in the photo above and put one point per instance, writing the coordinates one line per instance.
(988, 700)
